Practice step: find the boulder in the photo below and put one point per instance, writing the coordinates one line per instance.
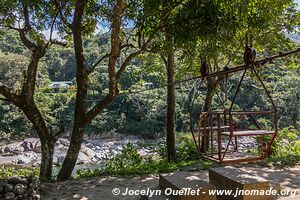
(8, 187)
(28, 146)
(9, 195)
(37, 148)
(8, 150)
(36, 197)
(14, 180)
(26, 159)
(63, 141)
(89, 152)
(83, 159)
(90, 145)
(19, 189)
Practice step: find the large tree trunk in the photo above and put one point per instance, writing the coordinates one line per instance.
(170, 138)
(47, 159)
(211, 85)
(72, 154)
(80, 107)
(47, 139)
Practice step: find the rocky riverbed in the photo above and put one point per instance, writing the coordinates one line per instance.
(95, 149)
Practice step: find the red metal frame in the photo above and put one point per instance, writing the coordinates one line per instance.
(208, 130)
(229, 127)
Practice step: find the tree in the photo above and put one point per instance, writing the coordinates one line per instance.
(118, 12)
(26, 17)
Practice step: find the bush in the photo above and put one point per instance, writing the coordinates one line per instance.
(286, 143)
(6, 172)
(186, 150)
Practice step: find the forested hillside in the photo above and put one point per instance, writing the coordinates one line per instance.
(140, 108)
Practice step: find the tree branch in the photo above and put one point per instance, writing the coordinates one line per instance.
(27, 26)
(52, 26)
(9, 94)
(107, 56)
(131, 56)
(30, 45)
(114, 54)
(63, 17)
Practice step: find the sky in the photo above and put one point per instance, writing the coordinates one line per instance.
(298, 2)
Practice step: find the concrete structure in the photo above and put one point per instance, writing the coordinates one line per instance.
(244, 186)
(182, 186)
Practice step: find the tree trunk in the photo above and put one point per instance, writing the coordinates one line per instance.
(27, 104)
(170, 138)
(72, 154)
(47, 159)
(80, 107)
(211, 85)
(47, 139)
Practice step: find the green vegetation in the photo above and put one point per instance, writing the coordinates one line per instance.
(6, 172)
(286, 144)
(124, 77)
(129, 162)
(285, 150)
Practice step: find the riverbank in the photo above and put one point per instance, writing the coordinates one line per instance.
(94, 150)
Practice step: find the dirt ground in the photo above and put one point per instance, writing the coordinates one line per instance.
(101, 188)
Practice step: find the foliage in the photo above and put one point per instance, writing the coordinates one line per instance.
(285, 150)
(6, 172)
(144, 112)
(186, 150)
(129, 162)
(286, 144)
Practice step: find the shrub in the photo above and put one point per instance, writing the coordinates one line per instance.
(129, 162)
(6, 172)
(286, 143)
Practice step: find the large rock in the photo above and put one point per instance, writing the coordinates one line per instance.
(89, 152)
(90, 145)
(28, 146)
(9, 195)
(26, 159)
(63, 141)
(8, 150)
(83, 159)
(14, 180)
(19, 189)
(8, 187)
(37, 148)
